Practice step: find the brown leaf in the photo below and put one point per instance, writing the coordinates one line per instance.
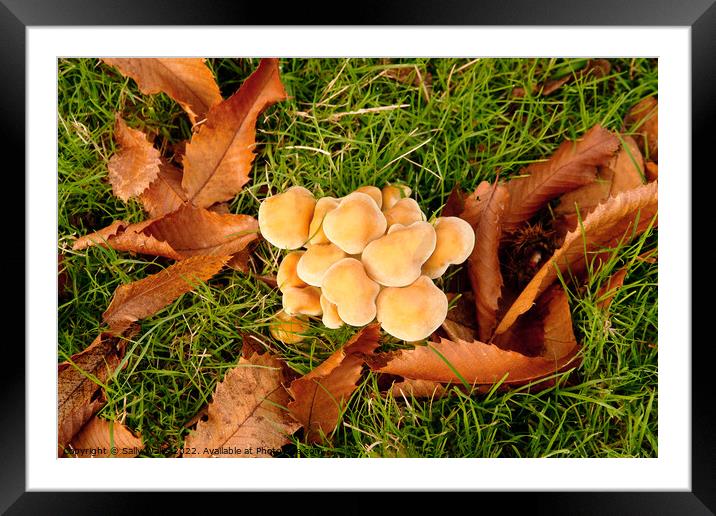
(619, 219)
(247, 416)
(573, 164)
(475, 362)
(652, 171)
(218, 158)
(320, 396)
(643, 119)
(135, 165)
(100, 438)
(79, 381)
(188, 231)
(606, 294)
(165, 194)
(418, 389)
(187, 80)
(147, 296)
(624, 171)
(595, 67)
(455, 203)
(483, 263)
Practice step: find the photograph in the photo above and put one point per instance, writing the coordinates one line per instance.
(357, 257)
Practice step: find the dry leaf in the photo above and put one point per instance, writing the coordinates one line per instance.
(619, 219)
(100, 438)
(624, 171)
(218, 158)
(147, 296)
(247, 416)
(596, 67)
(573, 164)
(455, 203)
(483, 263)
(136, 163)
(643, 119)
(606, 294)
(187, 80)
(189, 231)
(652, 171)
(78, 384)
(320, 396)
(475, 362)
(165, 194)
(418, 389)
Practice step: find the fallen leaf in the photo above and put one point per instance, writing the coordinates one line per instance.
(147, 296)
(474, 362)
(643, 120)
(247, 416)
(79, 383)
(483, 265)
(100, 438)
(455, 203)
(187, 80)
(574, 164)
(136, 163)
(606, 294)
(188, 231)
(652, 171)
(625, 171)
(619, 219)
(594, 67)
(418, 389)
(165, 194)
(218, 158)
(321, 395)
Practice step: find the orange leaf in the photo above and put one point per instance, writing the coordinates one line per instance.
(165, 194)
(135, 165)
(100, 438)
(248, 412)
(617, 220)
(624, 171)
(483, 263)
(147, 296)
(643, 119)
(573, 164)
(606, 294)
(418, 389)
(123, 236)
(78, 384)
(218, 158)
(186, 80)
(320, 396)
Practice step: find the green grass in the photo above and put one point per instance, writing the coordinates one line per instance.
(469, 130)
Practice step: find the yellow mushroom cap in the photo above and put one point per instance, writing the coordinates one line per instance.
(355, 222)
(374, 192)
(315, 230)
(405, 212)
(305, 301)
(331, 319)
(393, 193)
(288, 328)
(455, 241)
(347, 286)
(315, 262)
(412, 313)
(287, 275)
(284, 219)
(395, 260)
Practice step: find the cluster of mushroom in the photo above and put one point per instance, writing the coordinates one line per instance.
(368, 255)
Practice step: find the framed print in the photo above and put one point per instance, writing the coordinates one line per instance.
(191, 157)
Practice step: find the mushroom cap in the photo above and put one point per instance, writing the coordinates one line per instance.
(412, 313)
(393, 193)
(315, 229)
(331, 319)
(347, 286)
(287, 275)
(405, 212)
(356, 221)
(304, 301)
(395, 260)
(374, 192)
(315, 262)
(284, 219)
(288, 328)
(455, 241)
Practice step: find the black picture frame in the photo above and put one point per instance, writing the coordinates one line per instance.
(17, 15)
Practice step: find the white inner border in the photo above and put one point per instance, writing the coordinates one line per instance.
(671, 470)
